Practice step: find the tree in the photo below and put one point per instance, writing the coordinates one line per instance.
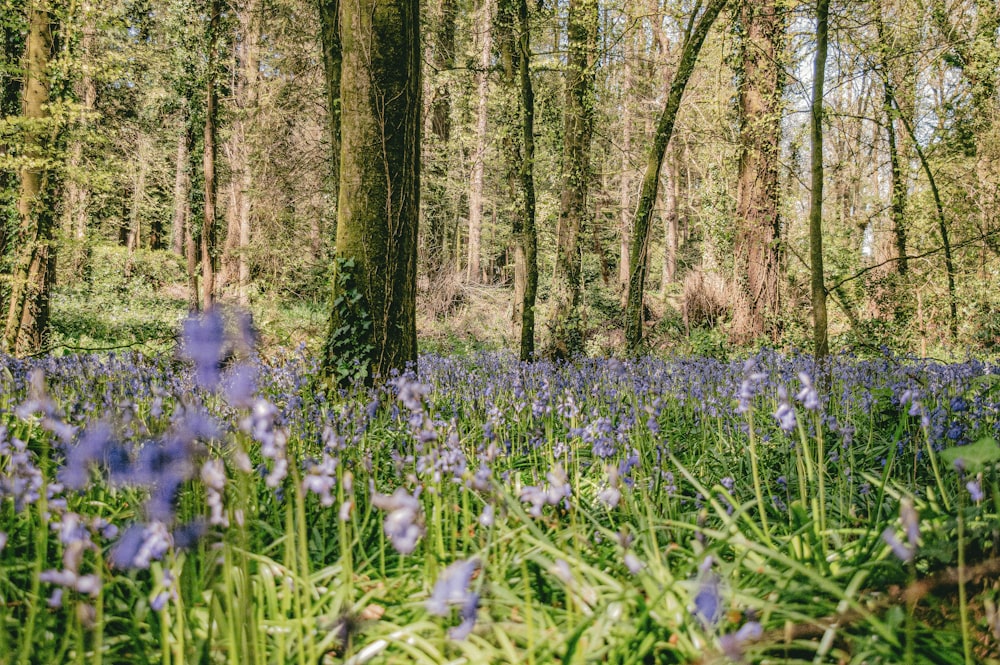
(27, 317)
(373, 318)
(208, 161)
(514, 41)
(578, 128)
(639, 251)
(757, 261)
(484, 33)
(821, 344)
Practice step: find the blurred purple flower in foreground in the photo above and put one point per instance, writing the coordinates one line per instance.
(733, 644)
(452, 588)
(707, 602)
(402, 524)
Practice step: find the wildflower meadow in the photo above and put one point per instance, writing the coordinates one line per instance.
(218, 506)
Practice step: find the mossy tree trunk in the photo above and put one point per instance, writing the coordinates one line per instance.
(373, 319)
(757, 262)
(578, 129)
(329, 21)
(639, 251)
(821, 344)
(513, 39)
(34, 253)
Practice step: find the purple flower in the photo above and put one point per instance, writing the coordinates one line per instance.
(452, 588)
(707, 602)
(903, 552)
(785, 413)
(733, 644)
(204, 337)
(402, 525)
(975, 491)
(808, 395)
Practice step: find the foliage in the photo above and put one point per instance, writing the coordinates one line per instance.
(347, 351)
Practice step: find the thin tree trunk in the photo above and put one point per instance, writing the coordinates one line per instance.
(639, 251)
(436, 208)
(182, 190)
(757, 264)
(670, 220)
(578, 121)
(625, 184)
(240, 151)
(26, 325)
(208, 164)
(525, 255)
(474, 270)
(821, 344)
(329, 20)
(139, 166)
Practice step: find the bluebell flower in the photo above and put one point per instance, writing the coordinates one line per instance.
(734, 644)
(807, 394)
(402, 522)
(204, 338)
(903, 552)
(707, 601)
(975, 491)
(452, 588)
(785, 413)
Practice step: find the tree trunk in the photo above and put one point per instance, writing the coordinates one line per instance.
(77, 197)
(139, 167)
(208, 164)
(435, 191)
(625, 184)
(473, 267)
(639, 251)
(526, 250)
(821, 344)
(757, 264)
(182, 190)
(373, 320)
(329, 21)
(578, 121)
(27, 319)
(240, 150)
(670, 222)
(512, 34)
(10, 105)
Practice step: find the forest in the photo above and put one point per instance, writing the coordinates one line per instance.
(497, 331)
(656, 176)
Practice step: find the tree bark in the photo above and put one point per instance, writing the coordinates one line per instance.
(473, 266)
(526, 249)
(182, 189)
(373, 319)
(670, 222)
(821, 344)
(512, 34)
(578, 123)
(757, 263)
(329, 21)
(208, 164)
(26, 326)
(639, 251)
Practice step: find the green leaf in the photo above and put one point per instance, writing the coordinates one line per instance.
(975, 455)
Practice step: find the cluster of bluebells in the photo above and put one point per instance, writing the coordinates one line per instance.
(160, 426)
